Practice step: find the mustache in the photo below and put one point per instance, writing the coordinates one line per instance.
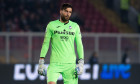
(67, 16)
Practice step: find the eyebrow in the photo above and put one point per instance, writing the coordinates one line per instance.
(68, 11)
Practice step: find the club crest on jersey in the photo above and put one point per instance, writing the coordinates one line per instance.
(70, 27)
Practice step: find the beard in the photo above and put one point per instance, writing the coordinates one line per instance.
(64, 18)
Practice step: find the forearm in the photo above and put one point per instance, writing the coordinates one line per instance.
(80, 49)
(45, 48)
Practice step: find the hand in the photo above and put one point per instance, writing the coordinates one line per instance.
(79, 67)
(41, 67)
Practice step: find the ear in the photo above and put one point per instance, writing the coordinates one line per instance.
(60, 11)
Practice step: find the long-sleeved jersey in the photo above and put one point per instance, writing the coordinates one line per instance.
(62, 37)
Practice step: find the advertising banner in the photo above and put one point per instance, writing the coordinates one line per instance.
(93, 74)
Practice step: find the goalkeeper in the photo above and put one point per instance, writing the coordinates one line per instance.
(62, 33)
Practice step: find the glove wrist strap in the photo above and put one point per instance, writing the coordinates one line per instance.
(41, 61)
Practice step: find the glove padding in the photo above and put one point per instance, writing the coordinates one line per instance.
(79, 67)
(41, 67)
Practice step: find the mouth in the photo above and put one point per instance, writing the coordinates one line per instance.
(67, 17)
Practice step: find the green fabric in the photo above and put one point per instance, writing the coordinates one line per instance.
(67, 70)
(62, 37)
(139, 19)
(124, 4)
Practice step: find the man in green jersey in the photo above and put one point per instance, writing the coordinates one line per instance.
(62, 33)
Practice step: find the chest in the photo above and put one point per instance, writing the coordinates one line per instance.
(63, 30)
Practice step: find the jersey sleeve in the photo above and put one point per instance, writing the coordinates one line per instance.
(78, 40)
(46, 42)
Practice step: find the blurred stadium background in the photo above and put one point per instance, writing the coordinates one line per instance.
(109, 27)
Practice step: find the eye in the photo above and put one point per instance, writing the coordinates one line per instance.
(65, 10)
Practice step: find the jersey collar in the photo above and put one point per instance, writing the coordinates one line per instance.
(64, 23)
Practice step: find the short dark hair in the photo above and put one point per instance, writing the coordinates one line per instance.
(65, 6)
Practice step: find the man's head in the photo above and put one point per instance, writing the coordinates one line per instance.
(65, 12)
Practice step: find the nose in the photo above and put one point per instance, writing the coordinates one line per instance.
(68, 14)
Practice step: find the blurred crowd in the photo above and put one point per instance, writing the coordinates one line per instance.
(26, 15)
(34, 15)
(136, 4)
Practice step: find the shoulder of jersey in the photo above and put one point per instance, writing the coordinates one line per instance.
(54, 21)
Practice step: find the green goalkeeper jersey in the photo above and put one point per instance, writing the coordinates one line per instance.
(62, 37)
